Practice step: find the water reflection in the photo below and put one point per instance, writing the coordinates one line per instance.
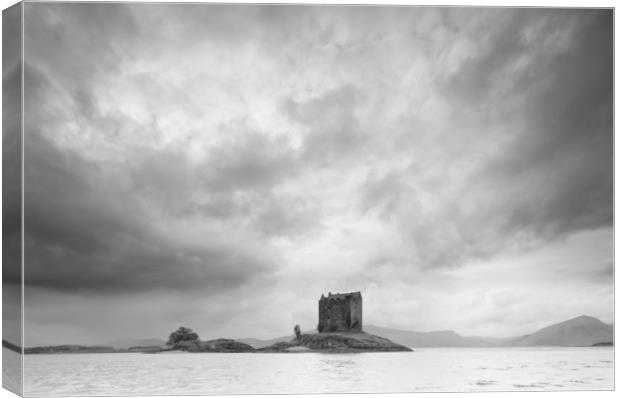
(341, 369)
(338, 365)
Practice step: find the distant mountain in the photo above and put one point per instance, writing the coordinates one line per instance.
(124, 344)
(606, 344)
(581, 331)
(439, 338)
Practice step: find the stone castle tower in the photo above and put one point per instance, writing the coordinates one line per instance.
(340, 312)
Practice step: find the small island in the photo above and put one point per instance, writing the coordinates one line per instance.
(339, 330)
(336, 342)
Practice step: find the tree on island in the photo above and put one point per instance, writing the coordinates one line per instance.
(181, 337)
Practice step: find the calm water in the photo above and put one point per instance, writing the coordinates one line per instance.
(425, 370)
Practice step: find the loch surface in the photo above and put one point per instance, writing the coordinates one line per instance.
(424, 370)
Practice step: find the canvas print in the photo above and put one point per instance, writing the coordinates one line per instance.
(215, 199)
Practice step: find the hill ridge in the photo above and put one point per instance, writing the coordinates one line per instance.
(583, 330)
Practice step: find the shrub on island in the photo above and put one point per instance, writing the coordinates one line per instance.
(184, 339)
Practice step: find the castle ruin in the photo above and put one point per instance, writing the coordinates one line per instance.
(340, 312)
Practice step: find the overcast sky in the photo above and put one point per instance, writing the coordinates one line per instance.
(220, 167)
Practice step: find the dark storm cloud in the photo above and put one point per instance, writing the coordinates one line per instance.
(289, 216)
(250, 162)
(86, 229)
(66, 35)
(11, 172)
(563, 156)
(97, 226)
(165, 177)
(111, 226)
(477, 77)
(235, 180)
(551, 176)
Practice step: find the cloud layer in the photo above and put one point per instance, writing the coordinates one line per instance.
(242, 157)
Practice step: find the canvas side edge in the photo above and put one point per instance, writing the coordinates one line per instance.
(12, 198)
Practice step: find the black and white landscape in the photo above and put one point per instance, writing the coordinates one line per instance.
(222, 166)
